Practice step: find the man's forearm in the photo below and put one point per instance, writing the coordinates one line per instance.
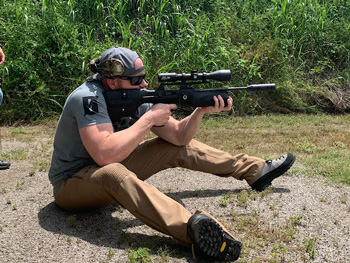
(126, 141)
(189, 126)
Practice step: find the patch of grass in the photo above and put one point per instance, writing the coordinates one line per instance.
(119, 208)
(72, 221)
(309, 246)
(320, 142)
(344, 199)
(140, 255)
(224, 201)
(296, 220)
(19, 185)
(323, 200)
(242, 199)
(163, 253)
(30, 143)
(31, 172)
(15, 155)
(278, 252)
(260, 234)
(42, 164)
(110, 253)
(8, 201)
(20, 131)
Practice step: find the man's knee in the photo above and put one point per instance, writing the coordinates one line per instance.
(112, 174)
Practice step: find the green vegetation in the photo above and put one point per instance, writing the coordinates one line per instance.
(140, 255)
(110, 253)
(303, 46)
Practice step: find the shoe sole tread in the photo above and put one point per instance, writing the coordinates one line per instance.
(214, 242)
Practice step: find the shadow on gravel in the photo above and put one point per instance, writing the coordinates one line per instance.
(101, 228)
(108, 227)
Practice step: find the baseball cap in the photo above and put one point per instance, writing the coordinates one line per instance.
(115, 62)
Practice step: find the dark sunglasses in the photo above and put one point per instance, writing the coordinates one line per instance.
(136, 80)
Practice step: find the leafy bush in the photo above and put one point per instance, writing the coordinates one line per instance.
(302, 43)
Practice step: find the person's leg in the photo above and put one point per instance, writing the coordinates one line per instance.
(211, 239)
(155, 155)
(95, 187)
(3, 164)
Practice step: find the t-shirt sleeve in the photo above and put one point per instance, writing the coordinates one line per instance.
(89, 108)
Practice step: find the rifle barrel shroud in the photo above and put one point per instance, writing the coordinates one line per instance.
(124, 103)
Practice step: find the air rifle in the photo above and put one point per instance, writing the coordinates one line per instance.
(124, 103)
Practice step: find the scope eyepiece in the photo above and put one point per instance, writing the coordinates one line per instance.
(219, 75)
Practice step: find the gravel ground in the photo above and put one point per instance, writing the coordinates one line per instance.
(34, 229)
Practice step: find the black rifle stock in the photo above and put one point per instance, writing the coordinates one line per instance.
(124, 103)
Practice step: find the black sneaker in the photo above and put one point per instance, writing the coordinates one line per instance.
(273, 169)
(4, 165)
(209, 239)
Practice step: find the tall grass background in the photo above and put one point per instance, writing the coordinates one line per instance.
(302, 45)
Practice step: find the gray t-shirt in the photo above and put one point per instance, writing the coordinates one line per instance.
(84, 106)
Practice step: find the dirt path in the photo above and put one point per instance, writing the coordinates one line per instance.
(315, 216)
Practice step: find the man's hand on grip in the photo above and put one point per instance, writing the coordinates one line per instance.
(161, 113)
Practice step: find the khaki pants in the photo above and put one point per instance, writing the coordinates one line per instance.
(123, 183)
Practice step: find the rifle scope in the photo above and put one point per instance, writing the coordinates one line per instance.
(219, 75)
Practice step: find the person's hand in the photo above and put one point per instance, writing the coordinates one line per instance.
(2, 56)
(219, 105)
(161, 113)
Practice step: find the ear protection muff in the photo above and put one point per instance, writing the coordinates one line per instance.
(111, 68)
(108, 68)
